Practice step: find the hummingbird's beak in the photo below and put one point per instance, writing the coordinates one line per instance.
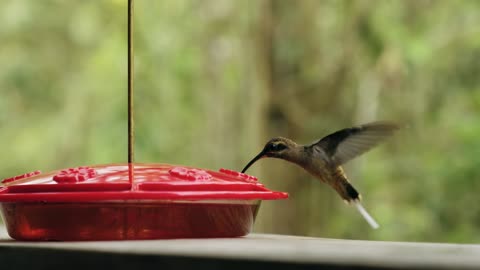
(259, 156)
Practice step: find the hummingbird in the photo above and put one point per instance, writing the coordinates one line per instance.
(324, 158)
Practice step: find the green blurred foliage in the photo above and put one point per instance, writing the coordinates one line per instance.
(215, 79)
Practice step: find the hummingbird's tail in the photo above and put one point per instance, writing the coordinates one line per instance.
(351, 195)
(354, 197)
(366, 215)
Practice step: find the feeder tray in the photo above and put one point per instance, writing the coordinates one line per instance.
(131, 201)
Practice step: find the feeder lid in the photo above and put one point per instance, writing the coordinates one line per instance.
(134, 182)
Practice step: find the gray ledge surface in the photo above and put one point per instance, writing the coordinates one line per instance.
(255, 251)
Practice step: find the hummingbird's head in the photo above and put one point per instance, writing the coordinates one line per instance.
(276, 148)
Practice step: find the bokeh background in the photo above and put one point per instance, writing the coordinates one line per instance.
(215, 79)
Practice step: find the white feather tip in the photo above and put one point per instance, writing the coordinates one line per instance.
(366, 215)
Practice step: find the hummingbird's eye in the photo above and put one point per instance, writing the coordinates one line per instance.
(278, 147)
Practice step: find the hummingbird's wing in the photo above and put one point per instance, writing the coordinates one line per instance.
(348, 143)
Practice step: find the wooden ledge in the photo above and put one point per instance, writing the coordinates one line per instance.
(256, 251)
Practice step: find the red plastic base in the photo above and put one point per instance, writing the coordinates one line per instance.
(124, 221)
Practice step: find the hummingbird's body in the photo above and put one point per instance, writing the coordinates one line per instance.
(323, 159)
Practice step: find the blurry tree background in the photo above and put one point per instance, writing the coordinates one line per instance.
(215, 79)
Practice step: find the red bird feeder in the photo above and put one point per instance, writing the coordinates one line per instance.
(133, 200)
(140, 201)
